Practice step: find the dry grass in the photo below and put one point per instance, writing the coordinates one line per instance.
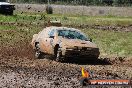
(77, 10)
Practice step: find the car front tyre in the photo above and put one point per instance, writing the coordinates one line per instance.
(58, 55)
(38, 53)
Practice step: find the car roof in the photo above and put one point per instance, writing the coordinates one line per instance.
(62, 28)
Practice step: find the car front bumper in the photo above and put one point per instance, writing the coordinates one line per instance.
(89, 52)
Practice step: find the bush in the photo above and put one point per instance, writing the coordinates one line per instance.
(49, 9)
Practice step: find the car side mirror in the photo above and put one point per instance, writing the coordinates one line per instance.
(52, 37)
(90, 40)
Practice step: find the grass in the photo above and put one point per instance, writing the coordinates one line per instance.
(7, 27)
(94, 20)
(109, 42)
(68, 19)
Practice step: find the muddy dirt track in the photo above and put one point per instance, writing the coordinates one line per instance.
(125, 28)
(19, 68)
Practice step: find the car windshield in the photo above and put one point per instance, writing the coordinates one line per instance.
(72, 34)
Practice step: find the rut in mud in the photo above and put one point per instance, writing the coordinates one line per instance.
(23, 49)
(125, 28)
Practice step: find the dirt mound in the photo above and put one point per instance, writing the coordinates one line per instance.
(22, 50)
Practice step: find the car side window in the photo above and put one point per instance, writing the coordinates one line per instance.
(52, 32)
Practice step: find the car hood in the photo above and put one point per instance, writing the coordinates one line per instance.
(70, 43)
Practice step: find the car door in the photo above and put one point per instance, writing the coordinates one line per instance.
(50, 41)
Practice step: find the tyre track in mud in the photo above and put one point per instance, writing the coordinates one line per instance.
(19, 68)
(125, 28)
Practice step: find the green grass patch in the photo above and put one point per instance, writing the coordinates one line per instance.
(7, 27)
(92, 20)
(111, 42)
(68, 19)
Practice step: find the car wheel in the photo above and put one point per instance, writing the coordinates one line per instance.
(58, 55)
(38, 53)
